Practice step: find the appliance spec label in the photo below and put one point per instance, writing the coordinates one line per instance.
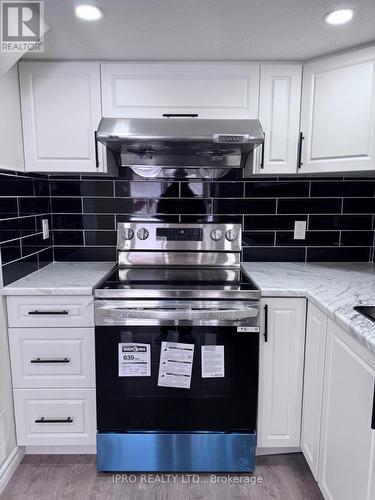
(176, 364)
(248, 329)
(134, 360)
(212, 361)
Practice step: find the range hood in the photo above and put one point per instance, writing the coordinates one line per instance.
(185, 147)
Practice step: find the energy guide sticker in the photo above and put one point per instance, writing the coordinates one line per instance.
(134, 360)
(176, 363)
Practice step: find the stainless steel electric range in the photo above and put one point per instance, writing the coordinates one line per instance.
(177, 341)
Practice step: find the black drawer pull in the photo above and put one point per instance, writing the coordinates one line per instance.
(35, 313)
(180, 115)
(265, 323)
(43, 420)
(41, 360)
(373, 410)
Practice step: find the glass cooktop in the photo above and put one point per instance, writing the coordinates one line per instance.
(176, 278)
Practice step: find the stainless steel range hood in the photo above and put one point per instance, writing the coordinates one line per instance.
(186, 147)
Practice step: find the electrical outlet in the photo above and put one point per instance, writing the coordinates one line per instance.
(299, 229)
(45, 227)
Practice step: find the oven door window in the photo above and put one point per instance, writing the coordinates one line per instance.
(226, 403)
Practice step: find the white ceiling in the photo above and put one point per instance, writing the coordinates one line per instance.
(204, 29)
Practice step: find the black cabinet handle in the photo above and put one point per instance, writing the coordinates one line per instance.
(180, 115)
(265, 323)
(36, 313)
(299, 156)
(43, 420)
(96, 149)
(41, 360)
(373, 410)
(262, 157)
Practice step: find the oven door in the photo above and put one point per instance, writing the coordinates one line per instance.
(137, 403)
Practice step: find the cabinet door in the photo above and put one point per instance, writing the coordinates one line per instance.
(61, 109)
(281, 372)
(347, 450)
(140, 90)
(316, 332)
(11, 147)
(338, 112)
(279, 111)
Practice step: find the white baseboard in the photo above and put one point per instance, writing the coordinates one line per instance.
(276, 451)
(61, 450)
(10, 466)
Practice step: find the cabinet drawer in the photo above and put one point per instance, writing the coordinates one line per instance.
(40, 311)
(55, 416)
(52, 357)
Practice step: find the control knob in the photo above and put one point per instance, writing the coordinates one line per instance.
(231, 235)
(128, 233)
(142, 233)
(216, 234)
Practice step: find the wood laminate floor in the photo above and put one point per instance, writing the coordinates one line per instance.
(55, 477)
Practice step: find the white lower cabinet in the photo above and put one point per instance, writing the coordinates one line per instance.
(316, 331)
(52, 347)
(347, 448)
(52, 357)
(55, 416)
(281, 372)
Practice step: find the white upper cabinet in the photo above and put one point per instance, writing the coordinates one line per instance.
(279, 112)
(338, 113)
(281, 372)
(11, 146)
(316, 332)
(61, 110)
(347, 450)
(150, 90)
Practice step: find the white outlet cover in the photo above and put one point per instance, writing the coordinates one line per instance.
(45, 227)
(299, 229)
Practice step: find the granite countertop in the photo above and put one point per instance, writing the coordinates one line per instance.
(61, 278)
(333, 288)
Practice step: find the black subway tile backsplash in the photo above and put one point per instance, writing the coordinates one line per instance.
(341, 254)
(24, 202)
(309, 205)
(338, 212)
(85, 254)
(277, 222)
(313, 238)
(276, 189)
(359, 205)
(66, 205)
(31, 206)
(274, 254)
(319, 222)
(84, 212)
(245, 206)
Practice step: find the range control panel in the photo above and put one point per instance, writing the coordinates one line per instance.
(179, 233)
(188, 237)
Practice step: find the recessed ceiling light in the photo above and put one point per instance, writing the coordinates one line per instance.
(88, 12)
(339, 16)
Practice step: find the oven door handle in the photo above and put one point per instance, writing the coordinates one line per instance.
(186, 314)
